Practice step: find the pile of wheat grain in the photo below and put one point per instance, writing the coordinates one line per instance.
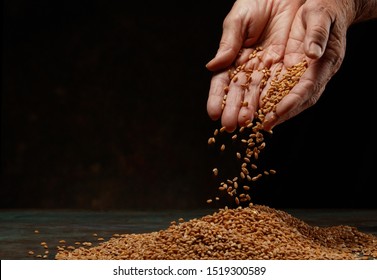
(254, 232)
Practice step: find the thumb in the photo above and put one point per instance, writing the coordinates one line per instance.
(230, 45)
(318, 24)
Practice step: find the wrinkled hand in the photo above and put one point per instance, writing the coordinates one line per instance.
(288, 32)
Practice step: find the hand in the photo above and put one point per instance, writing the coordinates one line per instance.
(249, 24)
(319, 33)
(288, 31)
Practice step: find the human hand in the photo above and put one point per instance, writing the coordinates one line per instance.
(289, 31)
(249, 23)
(318, 34)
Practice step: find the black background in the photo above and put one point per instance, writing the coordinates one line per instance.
(104, 107)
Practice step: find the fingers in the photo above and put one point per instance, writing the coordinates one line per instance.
(251, 99)
(233, 104)
(243, 91)
(298, 100)
(317, 22)
(216, 94)
(303, 95)
(234, 96)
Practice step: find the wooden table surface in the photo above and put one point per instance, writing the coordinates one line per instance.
(18, 237)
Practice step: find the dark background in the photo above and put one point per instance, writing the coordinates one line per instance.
(104, 107)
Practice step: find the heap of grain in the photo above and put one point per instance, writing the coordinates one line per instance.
(249, 231)
(254, 232)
